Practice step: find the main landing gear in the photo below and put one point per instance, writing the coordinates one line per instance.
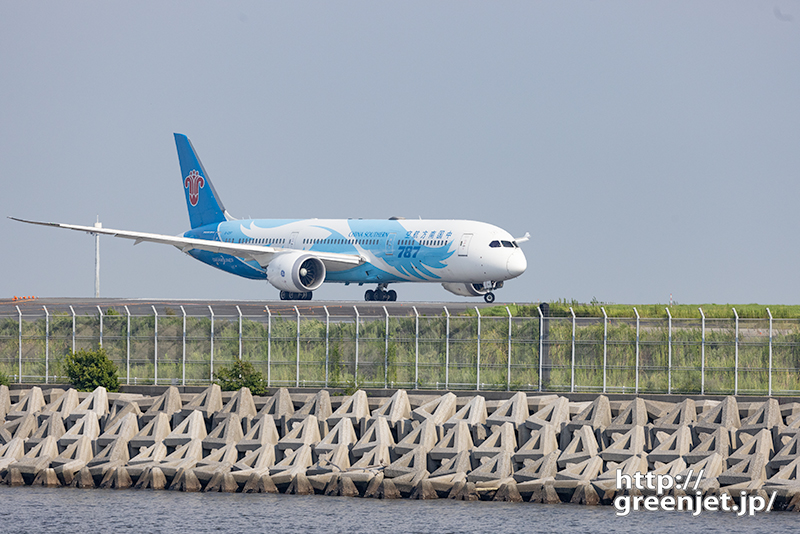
(289, 295)
(380, 294)
(489, 297)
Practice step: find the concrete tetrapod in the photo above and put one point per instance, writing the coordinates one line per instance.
(437, 410)
(553, 414)
(279, 408)
(514, 411)
(241, 404)
(538, 459)
(168, 403)
(355, 408)
(96, 403)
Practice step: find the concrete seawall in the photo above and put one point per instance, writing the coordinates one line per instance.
(422, 445)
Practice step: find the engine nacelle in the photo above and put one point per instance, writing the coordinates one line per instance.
(298, 272)
(466, 290)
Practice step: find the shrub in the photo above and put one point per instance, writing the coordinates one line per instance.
(241, 374)
(88, 369)
(4, 379)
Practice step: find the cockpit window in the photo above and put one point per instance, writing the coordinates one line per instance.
(495, 244)
(508, 244)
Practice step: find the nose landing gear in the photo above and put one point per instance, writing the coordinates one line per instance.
(380, 294)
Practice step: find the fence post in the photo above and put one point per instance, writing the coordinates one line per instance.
(605, 346)
(100, 312)
(297, 346)
(416, 347)
(240, 331)
(211, 372)
(669, 353)
(541, 344)
(769, 368)
(478, 377)
(637, 349)
(702, 352)
(269, 345)
(355, 371)
(183, 343)
(327, 342)
(73, 327)
(155, 346)
(447, 350)
(127, 347)
(386, 353)
(46, 346)
(19, 380)
(508, 374)
(736, 356)
(572, 375)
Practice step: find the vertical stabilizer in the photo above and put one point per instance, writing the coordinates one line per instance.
(202, 200)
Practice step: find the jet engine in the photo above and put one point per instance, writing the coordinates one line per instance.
(466, 290)
(297, 272)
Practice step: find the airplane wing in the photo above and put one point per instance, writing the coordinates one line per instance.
(261, 254)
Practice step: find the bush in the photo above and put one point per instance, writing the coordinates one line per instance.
(4, 379)
(241, 374)
(89, 369)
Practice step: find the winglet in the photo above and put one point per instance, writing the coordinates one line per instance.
(524, 238)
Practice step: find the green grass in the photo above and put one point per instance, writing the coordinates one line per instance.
(683, 311)
(422, 363)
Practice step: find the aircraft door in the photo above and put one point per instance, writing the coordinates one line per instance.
(463, 245)
(390, 244)
(293, 239)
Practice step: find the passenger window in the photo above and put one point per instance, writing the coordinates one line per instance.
(495, 244)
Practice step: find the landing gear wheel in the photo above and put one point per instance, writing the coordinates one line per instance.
(392, 294)
(489, 298)
(369, 295)
(309, 295)
(284, 295)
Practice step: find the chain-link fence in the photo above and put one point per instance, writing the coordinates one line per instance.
(592, 354)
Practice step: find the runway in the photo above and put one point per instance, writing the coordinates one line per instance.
(231, 308)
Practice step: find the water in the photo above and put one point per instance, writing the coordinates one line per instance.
(38, 510)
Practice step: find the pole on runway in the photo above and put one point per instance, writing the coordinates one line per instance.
(297, 370)
(508, 376)
(637, 348)
(46, 346)
(572, 377)
(269, 346)
(212, 343)
(20, 345)
(447, 350)
(386, 352)
(478, 363)
(98, 224)
(155, 346)
(416, 348)
(702, 352)
(327, 342)
(355, 371)
(128, 346)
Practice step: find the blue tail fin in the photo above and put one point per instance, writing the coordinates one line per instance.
(205, 206)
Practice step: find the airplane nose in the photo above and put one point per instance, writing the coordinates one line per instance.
(516, 264)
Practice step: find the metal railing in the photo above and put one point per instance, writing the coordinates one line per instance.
(444, 351)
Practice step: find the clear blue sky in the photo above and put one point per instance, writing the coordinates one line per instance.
(649, 147)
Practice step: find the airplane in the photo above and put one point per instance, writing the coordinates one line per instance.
(468, 258)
